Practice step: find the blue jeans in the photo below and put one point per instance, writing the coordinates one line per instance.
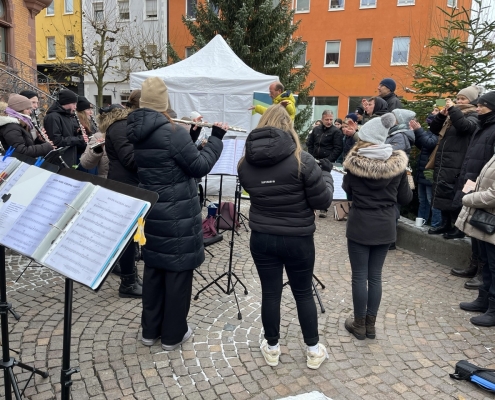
(424, 197)
(366, 265)
(270, 253)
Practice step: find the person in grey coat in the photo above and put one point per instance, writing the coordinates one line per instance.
(400, 136)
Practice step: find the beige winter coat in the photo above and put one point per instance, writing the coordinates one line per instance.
(483, 197)
(91, 158)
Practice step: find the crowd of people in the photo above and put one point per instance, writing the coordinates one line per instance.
(141, 145)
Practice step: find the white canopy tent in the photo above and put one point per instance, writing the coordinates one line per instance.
(217, 84)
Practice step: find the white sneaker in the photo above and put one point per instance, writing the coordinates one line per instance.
(315, 359)
(271, 356)
(172, 347)
(149, 342)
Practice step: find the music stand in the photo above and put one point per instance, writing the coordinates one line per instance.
(219, 214)
(229, 273)
(56, 155)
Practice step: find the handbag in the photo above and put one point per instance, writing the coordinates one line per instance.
(483, 220)
(341, 209)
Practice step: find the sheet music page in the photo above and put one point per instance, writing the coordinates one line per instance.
(46, 208)
(5, 163)
(233, 149)
(338, 192)
(93, 239)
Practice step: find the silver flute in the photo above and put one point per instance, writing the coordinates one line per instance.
(207, 125)
(96, 145)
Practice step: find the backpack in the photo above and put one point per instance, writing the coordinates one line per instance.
(209, 229)
(226, 216)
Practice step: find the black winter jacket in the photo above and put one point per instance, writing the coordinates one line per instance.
(168, 161)
(61, 128)
(282, 202)
(479, 152)
(379, 110)
(325, 142)
(450, 155)
(426, 142)
(13, 134)
(393, 101)
(376, 186)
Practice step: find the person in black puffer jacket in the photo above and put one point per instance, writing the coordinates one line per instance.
(285, 187)
(167, 162)
(454, 125)
(16, 128)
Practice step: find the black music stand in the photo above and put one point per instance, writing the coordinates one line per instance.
(315, 290)
(56, 156)
(219, 214)
(229, 273)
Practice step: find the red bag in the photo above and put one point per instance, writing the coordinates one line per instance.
(209, 229)
(227, 215)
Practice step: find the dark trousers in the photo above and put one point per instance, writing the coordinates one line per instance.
(475, 248)
(366, 265)
(166, 302)
(449, 217)
(270, 253)
(488, 255)
(127, 260)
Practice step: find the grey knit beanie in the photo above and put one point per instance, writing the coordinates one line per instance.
(374, 131)
(403, 116)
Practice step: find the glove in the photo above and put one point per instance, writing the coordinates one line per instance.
(326, 165)
(218, 132)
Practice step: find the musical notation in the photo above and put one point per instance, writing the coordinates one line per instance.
(233, 150)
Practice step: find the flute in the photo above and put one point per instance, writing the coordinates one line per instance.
(83, 131)
(96, 145)
(207, 125)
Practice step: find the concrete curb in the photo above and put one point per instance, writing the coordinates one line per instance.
(453, 253)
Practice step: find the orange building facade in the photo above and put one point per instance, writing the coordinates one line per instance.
(353, 44)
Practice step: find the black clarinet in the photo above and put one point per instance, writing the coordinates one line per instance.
(36, 123)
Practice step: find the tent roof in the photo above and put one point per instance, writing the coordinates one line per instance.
(213, 69)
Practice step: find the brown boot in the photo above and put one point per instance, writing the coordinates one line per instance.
(356, 327)
(370, 326)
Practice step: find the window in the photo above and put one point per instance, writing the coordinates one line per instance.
(400, 50)
(124, 98)
(98, 11)
(124, 52)
(302, 5)
(405, 2)
(275, 3)
(69, 6)
(151, 9)
(123, 9)
(301, 61)
(214, 8)
(355, 102)
(325, 103)
(332, 54)
(452, 3)
(50, 10)
(191, 8)
(367, 4)
(70, 48)
(337, 4)
(363, 51)
(189, 51)
(4, 32)
(50, 45)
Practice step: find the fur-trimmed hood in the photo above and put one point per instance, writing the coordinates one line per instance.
(379, 171)
(5, 119)
(107, 119)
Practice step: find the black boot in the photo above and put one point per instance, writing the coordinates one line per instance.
(370, 326)
(129, 287)
(480, 304)
(455, 233)
(476, 282)
(488, 318)
(444, 228)
(116, 269)
(356, 326)
(469, 272)
(138, 278)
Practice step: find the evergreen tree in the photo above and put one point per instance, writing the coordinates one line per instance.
(464, 56)
(261, 33)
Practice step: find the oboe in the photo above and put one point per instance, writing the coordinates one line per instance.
(36, 123)
(83, 131)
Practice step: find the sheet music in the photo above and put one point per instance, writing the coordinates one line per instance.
(233, 150)
(89, 244)
(14, 178)
(5, 163)
(338, 192)
(46, 208)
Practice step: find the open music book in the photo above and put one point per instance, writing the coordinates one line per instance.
(233, 150)
(75, 228)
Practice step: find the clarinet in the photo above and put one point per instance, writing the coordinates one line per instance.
(36, 123)
(83, 131)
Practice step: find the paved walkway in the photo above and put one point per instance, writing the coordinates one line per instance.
(421, 334)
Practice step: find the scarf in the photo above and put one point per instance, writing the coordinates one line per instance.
(465, 108)
(21, 117)
(376, 152)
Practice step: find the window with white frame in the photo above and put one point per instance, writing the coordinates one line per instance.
(367, 4)
(452, 3)
(70, 47)
(124, 10)
(151, 9)
(300, 47)
(405, 2)
(337, 4)
(124, 98)
(400, 50)
(98, 11)
(124, 52)
(332, 53)
(189, 51)
(191, 8)
(50, 47)
(50, 10)
(363, 51)
(68, 6)
(302, 5)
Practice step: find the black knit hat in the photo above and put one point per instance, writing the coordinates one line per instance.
(83, 103)
(29, 94)
(488, 100)
(66, 97)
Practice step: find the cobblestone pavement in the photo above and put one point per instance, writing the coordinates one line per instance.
(421, 334)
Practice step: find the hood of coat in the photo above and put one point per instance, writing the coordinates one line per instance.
(403, 129)
(5, 119)
(142, 122)
(381, 106)
(57, 108)
(107, 119)
(268, 146)
(378, 172)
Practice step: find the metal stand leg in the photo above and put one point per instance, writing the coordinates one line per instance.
(315, 290)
